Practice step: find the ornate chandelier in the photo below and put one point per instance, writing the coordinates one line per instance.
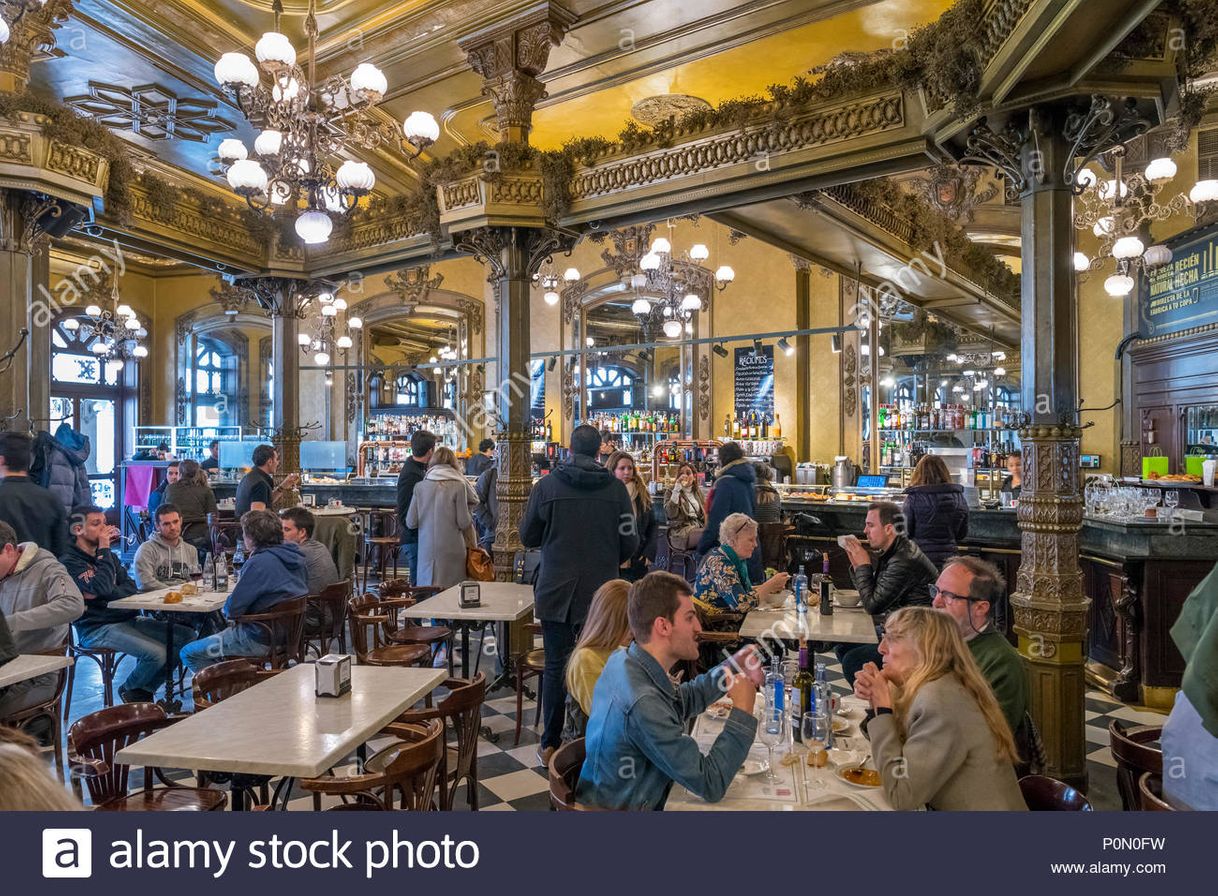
(683, 285)
(1120, 211)
(326, 341)
(116, 331)
(305, 125)
(547, 278)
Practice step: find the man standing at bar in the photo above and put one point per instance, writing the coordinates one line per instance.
(422, 445)
(582, 519)
(212, 461)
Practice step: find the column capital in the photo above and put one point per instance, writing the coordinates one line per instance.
(32, 27)
(24, 218)
(535, 245)
(509, 55)
(278, 296)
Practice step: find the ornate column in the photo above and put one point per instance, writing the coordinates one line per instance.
(801, 437)
(284, 302)
(32, 27)
(509, 55)
(26, 307)
(514, 255)
(1037, 152)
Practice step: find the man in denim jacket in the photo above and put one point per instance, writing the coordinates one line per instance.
(636, 742)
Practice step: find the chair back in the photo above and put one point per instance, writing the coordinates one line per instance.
(283, 630)
(222, 680)
(95, 739)
(411, 765)
(1150, 793)
(403, 588)
(1135, 757)
(331, 606)
(1044, 794)
(382, 523)
(565, 766)
(463, 709)
(223, 530)
(371, 617)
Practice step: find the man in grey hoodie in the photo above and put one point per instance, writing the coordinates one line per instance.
(39, 601)
(166, 558)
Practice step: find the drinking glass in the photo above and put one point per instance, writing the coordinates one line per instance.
(1171, 499)
(771, 732)
(815, 729)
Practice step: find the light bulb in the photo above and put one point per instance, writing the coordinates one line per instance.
(421, 128)
(590, 342)
(888, 381)
(71, 323)
(1081, 263)
(321, 359)
(660, 246)
(231, 150)
(657, 391)
(329, 311)
(140, 351)
(571, 275)
(132, 323)
(93, 310)
(99, 348)
(314, 227)
(1204, 191)
(1119, 285)
(725, 274)
(274, 49)
(1163, 169)
(691, 302)
(641, 307)
(1000, 371)
(1127, 247)
(666, 310)
(303, 338)
(236, 69)
(355, 323)
(369, 79)
(344, 342)
(124, 310)
(650, 262)
(340, 304)
(672, 328)
(551, 297)
(268, 143)
(699, 252)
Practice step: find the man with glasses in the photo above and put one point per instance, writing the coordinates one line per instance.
(967, 590)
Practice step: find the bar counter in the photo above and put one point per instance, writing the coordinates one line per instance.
(1137, 574)
(380, 493)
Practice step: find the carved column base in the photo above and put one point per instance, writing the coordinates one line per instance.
(515, 481)
(1050, 609)
(287, 443)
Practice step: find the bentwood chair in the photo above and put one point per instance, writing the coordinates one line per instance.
(107, 661)
(529, 664)
(50, 710)
(93, 742)
(565, 766)
(1136, 752)
(1150, 792)
(222, 680)
(380, 547)
(462, 711)
(1044, 794)
(283, 629)
(409, 767)
(434, 637)
(326, 618)
(681, 561)
(370, 615)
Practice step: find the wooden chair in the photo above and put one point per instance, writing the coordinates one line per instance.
(107, 661)
(51, 709)
(369, 615)
(223, 530)
(221, 680)
(1044, 794)
(330, 607)
(565, 766)
(681, 561)
(93, 742)
(529, 664)
(409, 766)
(380, 538)
(1150, 793)
(408, 631)
(283, 629)
(1135, 757)
(462, 710)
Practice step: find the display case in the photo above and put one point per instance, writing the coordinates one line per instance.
(381, 459)
(186, 442)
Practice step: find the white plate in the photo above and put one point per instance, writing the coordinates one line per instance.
(754, 766)
(841, 775)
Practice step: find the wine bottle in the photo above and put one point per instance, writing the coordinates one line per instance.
(802, 689)
(826, 580)
(776, 430)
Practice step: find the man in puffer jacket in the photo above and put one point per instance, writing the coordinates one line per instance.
(275, 572)
(38, 600)
(59, 465)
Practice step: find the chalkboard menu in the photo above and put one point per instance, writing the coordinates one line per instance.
(1183, 294)
(755, 381)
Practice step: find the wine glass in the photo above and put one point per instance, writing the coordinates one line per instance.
(1171, 499)
(772, 731)
(815, 729)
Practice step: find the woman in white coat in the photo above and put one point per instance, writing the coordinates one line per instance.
(441, 510)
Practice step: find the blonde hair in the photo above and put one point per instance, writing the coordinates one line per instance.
(607, 624)
(638, 494)
(26, 784)
(733, 525)
(444, 455)
(941, 651)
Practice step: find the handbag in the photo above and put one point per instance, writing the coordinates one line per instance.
(478, 565)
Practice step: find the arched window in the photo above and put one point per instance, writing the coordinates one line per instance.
(213, 377)
(411, 391)
(95, 397)
(610, 387)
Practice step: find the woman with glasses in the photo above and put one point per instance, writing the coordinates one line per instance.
(938, 737)
(723, 584)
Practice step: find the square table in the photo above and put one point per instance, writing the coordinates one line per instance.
(207, 602)
(501, 602)
(845, 625)
(25, 666)
(280, 727)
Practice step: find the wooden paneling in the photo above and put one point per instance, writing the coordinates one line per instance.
(1165, 378)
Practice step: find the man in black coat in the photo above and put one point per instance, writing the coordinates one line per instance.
(34, 513)
(896, 577)
(422, 445)
(582, 519)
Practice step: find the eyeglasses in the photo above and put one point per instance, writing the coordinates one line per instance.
(935, 591)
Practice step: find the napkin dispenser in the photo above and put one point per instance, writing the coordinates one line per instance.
(470, 595)
(333, 673)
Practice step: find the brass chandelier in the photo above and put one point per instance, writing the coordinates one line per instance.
(682, 284)
(304, 125)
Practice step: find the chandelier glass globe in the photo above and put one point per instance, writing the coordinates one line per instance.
(247, 177)
(691, 302)
(274, 49)
(355, 177)
(1081, 262)
(551, 297)
(1127, 247)
(672, 328)
(641, 307)
(421, 127)
(237, 69)
(268, 143)
(314, 227)
(369, 79)
(231, 150)
(1160, 170)
(1119, 285)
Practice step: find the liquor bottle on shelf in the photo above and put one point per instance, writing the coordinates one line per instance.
(736, 427)
(776, 429)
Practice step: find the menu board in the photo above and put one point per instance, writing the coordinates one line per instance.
(755, 381)
(1183, 294)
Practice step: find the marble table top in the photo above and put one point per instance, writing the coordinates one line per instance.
(501, 602)
(280, 727)
(155, 600)
(845, 625)
(30, 665)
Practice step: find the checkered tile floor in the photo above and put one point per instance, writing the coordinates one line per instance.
(512, 780)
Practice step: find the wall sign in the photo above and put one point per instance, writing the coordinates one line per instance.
(537, 390)
(755, 381)
(1183, 294)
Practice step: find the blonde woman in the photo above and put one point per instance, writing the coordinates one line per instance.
(686, 518)
(723, 584)
(606, 629)
(441, 509)
(939, 736)
(26, 784)
(621, 465)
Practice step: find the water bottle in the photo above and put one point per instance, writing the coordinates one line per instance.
(209, 573)
(799, 585)
(238, 561)
(221, 574)
(823, 697)
(775, 686)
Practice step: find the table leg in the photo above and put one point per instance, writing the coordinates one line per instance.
(169, 704)
(465, 650)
